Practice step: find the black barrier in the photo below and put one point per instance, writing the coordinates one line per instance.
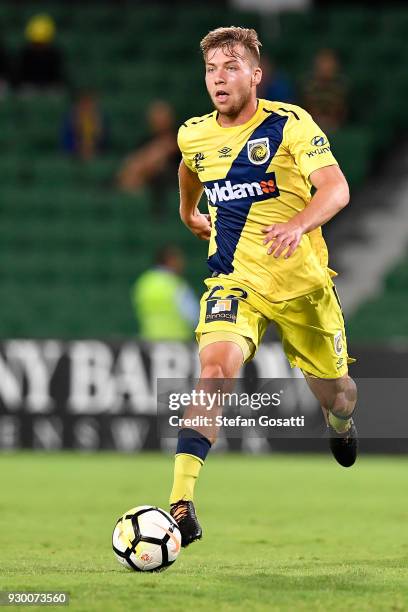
(278, 408)
(92, 395)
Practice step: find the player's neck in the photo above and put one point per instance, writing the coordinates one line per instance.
(243, 116)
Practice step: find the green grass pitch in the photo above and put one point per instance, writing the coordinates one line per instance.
(281, 532)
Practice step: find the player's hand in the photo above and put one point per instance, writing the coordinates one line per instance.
(283, 237)
(200, 225)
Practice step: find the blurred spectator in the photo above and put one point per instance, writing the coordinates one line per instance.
(164, 304)
(275, 84)
(155, 162)
(40, 63)
(325, 93)
(85, 130)
(5, 73)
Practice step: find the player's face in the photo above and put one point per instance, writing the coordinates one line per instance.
(231, 79)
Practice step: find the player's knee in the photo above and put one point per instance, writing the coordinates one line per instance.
(215, 370)
(221, 360)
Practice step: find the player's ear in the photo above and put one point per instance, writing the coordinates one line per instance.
(256, 75)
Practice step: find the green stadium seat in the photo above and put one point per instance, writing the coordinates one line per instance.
(352, 148)
(353, 21)
(397, 280)
(373, 320)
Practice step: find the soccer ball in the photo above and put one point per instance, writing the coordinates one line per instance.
(146, 539)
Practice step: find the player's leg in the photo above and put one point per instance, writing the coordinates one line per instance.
(220, 363)
(220, 360)
(314, 339)
(229, 331)
(338, 398)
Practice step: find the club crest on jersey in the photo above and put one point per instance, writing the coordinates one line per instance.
(338, 343)
(258, 151)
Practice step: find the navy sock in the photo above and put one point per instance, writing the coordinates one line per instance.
(192, 442)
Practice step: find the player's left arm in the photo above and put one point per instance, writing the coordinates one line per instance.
(332, 194)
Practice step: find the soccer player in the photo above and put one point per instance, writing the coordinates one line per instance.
(257, 161)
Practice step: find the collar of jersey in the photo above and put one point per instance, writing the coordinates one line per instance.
(241, 126)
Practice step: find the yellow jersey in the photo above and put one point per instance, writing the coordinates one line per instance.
(254, 175)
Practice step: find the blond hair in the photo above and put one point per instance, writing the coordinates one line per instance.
(227, 38)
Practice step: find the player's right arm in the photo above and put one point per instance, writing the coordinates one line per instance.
(191, 190)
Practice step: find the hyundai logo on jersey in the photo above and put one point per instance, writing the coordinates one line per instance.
(318, 141)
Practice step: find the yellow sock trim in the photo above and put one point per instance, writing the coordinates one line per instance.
(339, 425)
(186, 471)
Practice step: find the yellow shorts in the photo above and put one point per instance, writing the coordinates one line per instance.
(311, 327)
